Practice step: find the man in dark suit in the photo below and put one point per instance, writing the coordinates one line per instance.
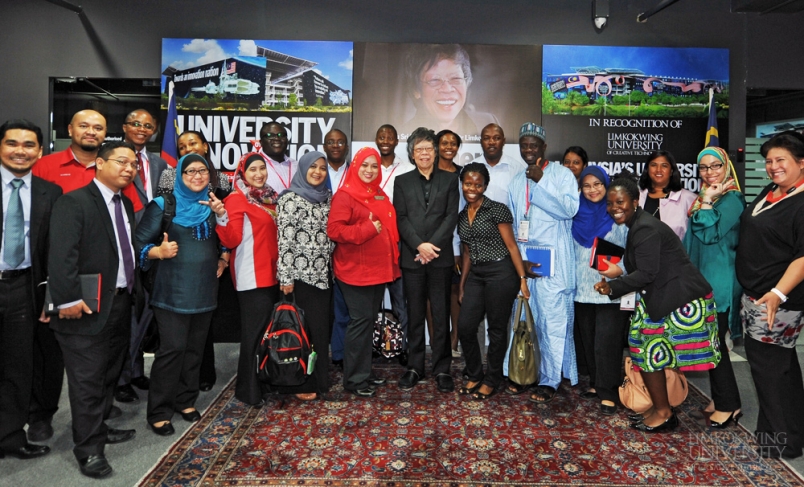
(426, 202)
(91, 233)
(138, 128)
(25, 215)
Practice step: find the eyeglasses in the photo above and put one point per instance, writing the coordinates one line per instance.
(194, 172)
(713, 167)
(146, 126)
(596, 185)
(438, 82)
(339, 143)
(124, 164)
(422, 150)
(271, 135)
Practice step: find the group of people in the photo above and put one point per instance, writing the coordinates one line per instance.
(450, 244)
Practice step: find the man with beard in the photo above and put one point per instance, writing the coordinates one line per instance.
(543, 200)
(502, 168)
(273, 144)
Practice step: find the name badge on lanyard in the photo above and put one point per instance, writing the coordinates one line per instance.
(523, 232)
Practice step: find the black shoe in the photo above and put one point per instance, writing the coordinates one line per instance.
(95, 466)
(403, 359)
(142, 383)
(409, 380)
(588, 395)
(39, 431)
(608, 410)
(636, 417)
(114, 412)
(367, 392)
(164, 430)
(445, 383)
(26, 451)
(125, 393)
(376, 381)
(192, 416)
(720, 426)
(119, 436)
(206, 386)
(670, 423)
(338, 363)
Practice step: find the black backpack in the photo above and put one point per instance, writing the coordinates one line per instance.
(283, 353)
(149, 276)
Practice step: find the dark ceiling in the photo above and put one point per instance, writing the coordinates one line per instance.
(767, 6)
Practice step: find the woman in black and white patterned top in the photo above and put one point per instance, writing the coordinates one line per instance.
(304, 256)
(492, 274)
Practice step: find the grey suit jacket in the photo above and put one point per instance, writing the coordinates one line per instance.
(155, 167)
(419, 223)
(43, 196)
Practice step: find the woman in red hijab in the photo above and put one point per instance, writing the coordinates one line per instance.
(362, 223)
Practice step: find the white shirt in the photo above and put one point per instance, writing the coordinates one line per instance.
(280, 173)
(336, 176)
(25, 198)
(390, 173)
(501, 175)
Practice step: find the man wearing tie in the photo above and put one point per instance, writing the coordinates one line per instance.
(27, 202)
(138, 128)
(91, 233)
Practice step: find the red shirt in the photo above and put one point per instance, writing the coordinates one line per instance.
(63, 169)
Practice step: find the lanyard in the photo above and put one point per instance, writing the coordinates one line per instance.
(284, 184)
(527, 190)
(389, 177)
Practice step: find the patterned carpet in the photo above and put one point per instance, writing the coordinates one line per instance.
(425, 438)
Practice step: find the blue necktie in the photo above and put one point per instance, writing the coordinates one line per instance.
(123, 241)
(14, 235)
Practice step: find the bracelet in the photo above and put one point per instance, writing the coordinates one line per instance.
(707, 203)
(780, 294)
(523, 277)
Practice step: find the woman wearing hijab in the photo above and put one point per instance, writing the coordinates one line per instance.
(600, 324)
(362, 222)
(185, 289)
(304, 256)
(249, 229)
(711, 242)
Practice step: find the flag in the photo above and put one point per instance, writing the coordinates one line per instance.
(231, 67)
(712, 139)
(170, 152)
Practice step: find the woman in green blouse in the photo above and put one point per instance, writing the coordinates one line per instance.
(711, 242)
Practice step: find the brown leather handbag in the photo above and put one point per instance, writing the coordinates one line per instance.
(634, 395)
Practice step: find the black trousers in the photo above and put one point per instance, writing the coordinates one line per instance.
(93, 364)
(780, 391)
(174, 372)
(603, 330)
(48, 374)
(16, 361)
(490, 290)
(317, 318)
(134, 364)
(433, 283)
(256, 306)
(725, 392)
(364, 303)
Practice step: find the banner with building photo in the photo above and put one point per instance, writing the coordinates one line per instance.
(461, 87)
(622, 103)
(228, 88)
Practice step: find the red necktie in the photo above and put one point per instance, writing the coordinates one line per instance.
(142, 171)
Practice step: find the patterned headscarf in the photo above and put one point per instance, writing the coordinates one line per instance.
(264, 197)
(729, 178)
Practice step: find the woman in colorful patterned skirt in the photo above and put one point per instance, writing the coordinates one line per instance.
(675, 322)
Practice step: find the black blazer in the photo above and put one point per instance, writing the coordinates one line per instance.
(155, 167)
(82, 241)
(43, 196)
(419, 223)
(658, 268)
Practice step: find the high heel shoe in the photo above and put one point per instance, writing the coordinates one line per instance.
(732, 417)
(670, 423)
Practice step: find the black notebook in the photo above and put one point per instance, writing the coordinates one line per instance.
(90, 293)
(604, 250)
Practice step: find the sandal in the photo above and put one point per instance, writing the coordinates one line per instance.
(465, 391)
(479, 396)
(543, 395)
(515, 389)
(309, 396)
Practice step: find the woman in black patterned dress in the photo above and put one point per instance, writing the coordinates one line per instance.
(304, 257)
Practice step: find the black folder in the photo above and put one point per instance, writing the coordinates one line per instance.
(603, 249)
(90, 293)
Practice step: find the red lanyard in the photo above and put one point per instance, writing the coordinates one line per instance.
(773, 199)
(389, 177)
(290, 165)
(527, 190)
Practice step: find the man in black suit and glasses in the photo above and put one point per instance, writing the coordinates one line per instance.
(27, 202)
(91, 233)
(426, 203)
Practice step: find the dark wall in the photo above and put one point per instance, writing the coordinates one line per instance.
(123, 39)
